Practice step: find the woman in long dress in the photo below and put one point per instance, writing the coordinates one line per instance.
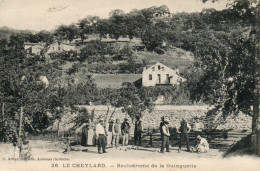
(91, 127)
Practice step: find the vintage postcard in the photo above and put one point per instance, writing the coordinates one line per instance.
(129, 85)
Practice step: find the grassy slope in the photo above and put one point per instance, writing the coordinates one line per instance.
(174, 58)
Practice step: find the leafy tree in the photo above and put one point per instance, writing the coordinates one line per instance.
(116, 12)
(45, 36)
(136, 24)
(87, 26)
(67, 32)
(103, 27)
(94, 52)
(117, 25)
(152, 38)
(3, 46)
(230, 76)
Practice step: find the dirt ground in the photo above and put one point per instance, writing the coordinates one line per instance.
(49, 155)
(55, 148)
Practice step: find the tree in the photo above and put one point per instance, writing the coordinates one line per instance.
(116, 12)
(94, 52)
(135, 25)
(87, 26)
(230, 77)
(103, 27)
(152, 38)
(67, 32)
(45, 36)
(118, 26)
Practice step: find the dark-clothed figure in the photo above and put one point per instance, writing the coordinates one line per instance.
(138, 131)
(161, 124)
(184, 131)
(116, 133)
(165, 136)
(125, 129)
(109, 131)
(100, 135)
(197, 128)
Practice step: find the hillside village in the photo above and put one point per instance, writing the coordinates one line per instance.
(166, 75)
(146, 63)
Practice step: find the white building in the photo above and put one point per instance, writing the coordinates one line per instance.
(59, 47)
(160, 74)
(33, 48)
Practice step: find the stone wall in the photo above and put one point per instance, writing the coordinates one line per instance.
(175, 114)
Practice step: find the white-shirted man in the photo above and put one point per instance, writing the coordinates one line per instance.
(100, 135)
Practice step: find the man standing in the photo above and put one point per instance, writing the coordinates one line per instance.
(138, 131)
(165, 136)
(125, 129)
(116, 133)
(161, 124)
(197, 128)
(184, 131)
(100, 135)
(109, 131)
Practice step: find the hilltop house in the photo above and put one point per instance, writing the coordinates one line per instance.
(33, 48)
(160, 74)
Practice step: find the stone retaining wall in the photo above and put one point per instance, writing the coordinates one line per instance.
(175, 114)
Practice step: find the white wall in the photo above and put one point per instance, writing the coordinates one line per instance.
(55, 47)
(173, 74)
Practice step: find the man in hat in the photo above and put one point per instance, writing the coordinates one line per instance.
(109, 131)
(125, 129)
(161, 124)
(138, 131)
(116, 133)
(184, 131)
(197, 128)
(100, 135)
(165, 136)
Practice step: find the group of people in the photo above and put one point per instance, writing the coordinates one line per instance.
(107, 135)
(201, 145)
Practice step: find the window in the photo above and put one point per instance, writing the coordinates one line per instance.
(159, 78)
(150, 76)
(152, 68)
(58, 48)
(167, 78)
(159, 67)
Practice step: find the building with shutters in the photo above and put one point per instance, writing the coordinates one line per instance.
(160, 74)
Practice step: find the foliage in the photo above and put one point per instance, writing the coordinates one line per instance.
(88, 25)
(229, 73)
(66, 32)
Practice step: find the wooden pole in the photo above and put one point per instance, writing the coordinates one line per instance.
(3, 110)
(20, 128)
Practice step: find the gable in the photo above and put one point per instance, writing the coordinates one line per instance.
(159, 67)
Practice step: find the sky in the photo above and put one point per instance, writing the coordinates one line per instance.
(34, 14)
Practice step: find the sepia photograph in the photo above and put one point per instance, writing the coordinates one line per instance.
(129, 85)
